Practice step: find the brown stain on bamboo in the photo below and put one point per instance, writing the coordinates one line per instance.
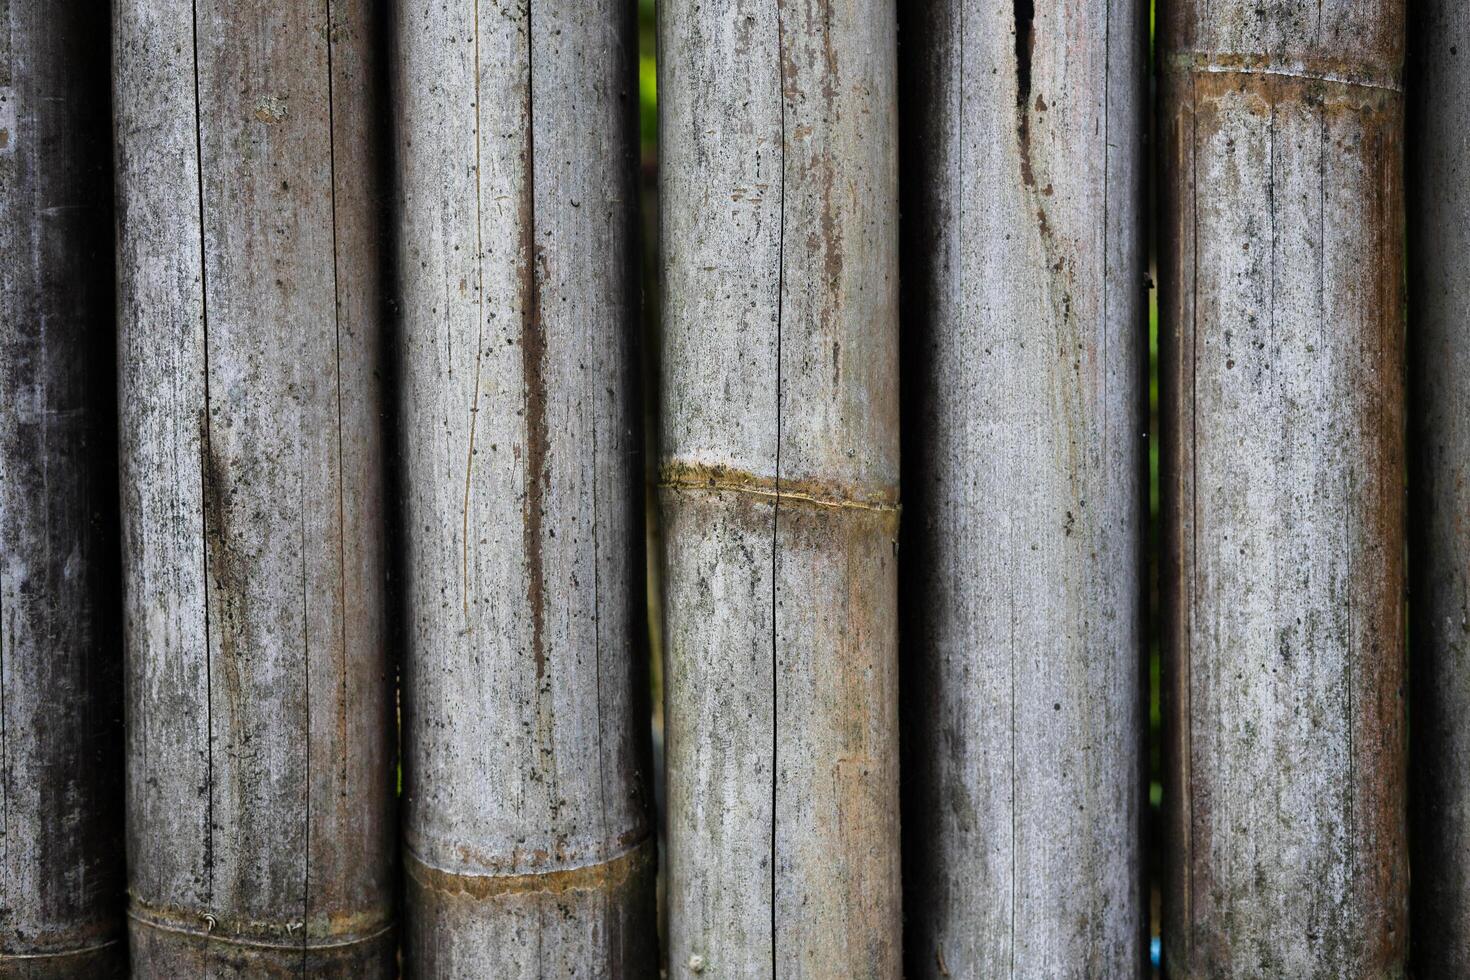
(533, 359)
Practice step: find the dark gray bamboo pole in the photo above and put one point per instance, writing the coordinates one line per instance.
(260, 723)
(1024, 330)
(61, 862)
(1439, 309)
(529, 845)
(779, 486)
(1282, 267)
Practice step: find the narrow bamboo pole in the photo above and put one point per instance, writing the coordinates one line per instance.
(1439, 296)
(259, 710)
(61, 863)
(1024, 332)
(1282, 364)
(529, 844)
(779, 487)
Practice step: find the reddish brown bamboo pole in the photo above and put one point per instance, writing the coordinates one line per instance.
(1282, 327)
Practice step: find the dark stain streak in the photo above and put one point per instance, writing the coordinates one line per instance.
(533, 358)
(225, 572)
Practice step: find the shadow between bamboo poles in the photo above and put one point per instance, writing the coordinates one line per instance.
(260, 821)
(528, 824)
(1282, 364)
(1025, 347)
(61, 865)
(779, 488)
(1439, 111)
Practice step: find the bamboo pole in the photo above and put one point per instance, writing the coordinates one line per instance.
(1282, 367)
(529, 844)
(61, 862)
(1024, 332)
(1439, 206)
(779, 487)
(259, 707)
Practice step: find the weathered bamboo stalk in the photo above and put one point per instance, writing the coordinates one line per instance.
(529, 844)
(779, 487)
(1439, 346)
(260, 724)
(1282, 365)
(1024, 331)
(61, 863)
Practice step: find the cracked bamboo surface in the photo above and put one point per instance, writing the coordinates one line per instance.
(1282, 366)
(260, 781)
(1025, 227)
(528, 831)
(61, 863)
(779, 487)
(1439, 300)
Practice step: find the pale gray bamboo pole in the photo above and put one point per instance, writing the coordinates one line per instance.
(529, 844)
(62, 877)
(779, 487)
(1282, 330)
(1439, 301)
(260, 724)
(1024, 337)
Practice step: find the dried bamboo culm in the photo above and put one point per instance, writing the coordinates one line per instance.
(1439, 349)
(779, 487)
(1282, 366)
(260, 735)
(529, 843)
(62, 885)
(1024, 332)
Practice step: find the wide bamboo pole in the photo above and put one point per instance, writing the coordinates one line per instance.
(779, 487)
(1283, 491)
(260, 722)
(1439, 398)
(529, 845)
(61, 862)
(1024, 326)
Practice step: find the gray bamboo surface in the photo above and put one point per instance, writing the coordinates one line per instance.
(1024, 332)
(1439, 345)
(529, 844)
(260, 739)
(779, 487)
(62, 884)
(1282, 365)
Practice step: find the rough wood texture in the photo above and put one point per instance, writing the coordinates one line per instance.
(528, 821)
(1024, 335)
(1283, 372)
(61, 863)
(260, 736)
(1439, 398)
(779, 487)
